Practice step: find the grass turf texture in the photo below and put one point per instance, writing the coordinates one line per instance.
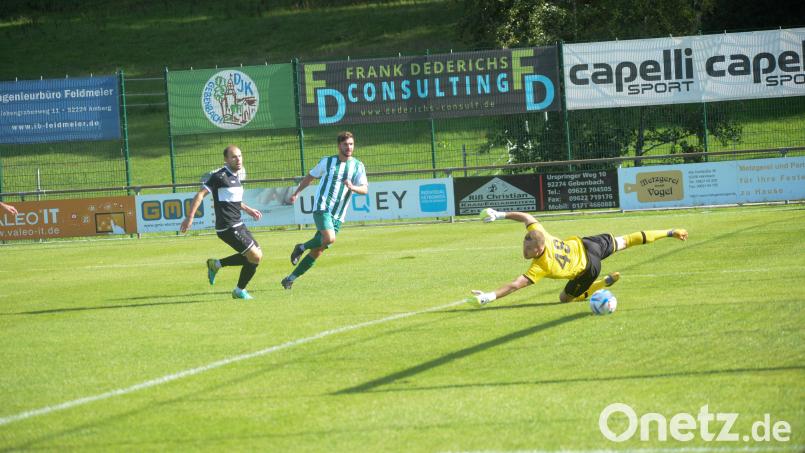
(717, 320)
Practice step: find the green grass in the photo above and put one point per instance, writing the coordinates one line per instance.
(715, 321)
(144, 37)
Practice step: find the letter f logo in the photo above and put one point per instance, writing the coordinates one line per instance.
(312, 84)
(518, 70)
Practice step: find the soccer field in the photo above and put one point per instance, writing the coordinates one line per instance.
(122, 345)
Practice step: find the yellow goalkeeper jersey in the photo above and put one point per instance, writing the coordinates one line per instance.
(561, 259)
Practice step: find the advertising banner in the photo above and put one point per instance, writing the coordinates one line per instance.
(504, 192)
(747, 181)
(686, 69)
(59, 110)
(580, 190)
(451, 85)
(165, 212)
(389, 200)
(273, 203)
(221, 100)
(69, 218)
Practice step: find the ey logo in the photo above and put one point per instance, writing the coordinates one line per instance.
(168, 209)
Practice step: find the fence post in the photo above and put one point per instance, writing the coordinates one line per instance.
(300, 132)
(170, 132)
(566, 118)
(704, 124)
(122, 78)
(464, 157)
(432, 136)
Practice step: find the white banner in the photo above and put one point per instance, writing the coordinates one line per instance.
(686, 69)
(743, 181)
(165, 212)
(273, 203)
(389, 200)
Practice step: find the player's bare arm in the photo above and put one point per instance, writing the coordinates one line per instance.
(191, 213)
(518, 283)
(360, 190)
(254, 213)
(490, 215)
(302, 185)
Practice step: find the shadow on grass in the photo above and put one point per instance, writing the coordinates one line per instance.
(599, 378)
(502, 307)
(112, 307)
(447, 358)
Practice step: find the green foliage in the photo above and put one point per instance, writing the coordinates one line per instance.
(704, 322)
(604, 132)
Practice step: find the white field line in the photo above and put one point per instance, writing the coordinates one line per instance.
(218, 364)
(736, 449)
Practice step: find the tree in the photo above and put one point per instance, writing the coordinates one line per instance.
(596, 133)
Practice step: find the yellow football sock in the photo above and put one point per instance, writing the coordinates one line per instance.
(646, 237)
(598, 284)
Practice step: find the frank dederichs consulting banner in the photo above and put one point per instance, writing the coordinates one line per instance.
(451, 85)
(220, 100)
(58, 110)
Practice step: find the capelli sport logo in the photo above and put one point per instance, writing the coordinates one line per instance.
(673, 70)
(230, 99)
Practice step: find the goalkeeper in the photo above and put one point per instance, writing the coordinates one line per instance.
(575, 259)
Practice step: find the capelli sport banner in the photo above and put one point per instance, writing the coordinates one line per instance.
(451, 85)
(685, 69)
(227, 100)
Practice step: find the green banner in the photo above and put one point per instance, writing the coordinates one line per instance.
(222, 100)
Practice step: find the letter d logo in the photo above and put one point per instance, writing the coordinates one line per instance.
(321, 101)
(530, 103)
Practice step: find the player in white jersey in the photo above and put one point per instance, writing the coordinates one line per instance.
(341, 175)
(227, 192)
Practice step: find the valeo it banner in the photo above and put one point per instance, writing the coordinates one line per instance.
(230, 99)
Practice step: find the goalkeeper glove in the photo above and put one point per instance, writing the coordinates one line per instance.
(484, 298)
(490, 215)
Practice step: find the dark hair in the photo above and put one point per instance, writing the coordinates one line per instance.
(343, 136)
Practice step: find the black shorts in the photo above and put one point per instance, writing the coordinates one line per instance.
(597, 249)
(239, 238)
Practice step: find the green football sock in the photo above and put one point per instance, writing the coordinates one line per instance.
(313, 243)
(304, 265)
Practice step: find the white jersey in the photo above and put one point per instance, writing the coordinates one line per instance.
(332, 195)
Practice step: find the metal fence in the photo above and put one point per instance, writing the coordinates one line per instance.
(476, 142)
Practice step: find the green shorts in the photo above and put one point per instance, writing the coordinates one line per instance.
(325, 221)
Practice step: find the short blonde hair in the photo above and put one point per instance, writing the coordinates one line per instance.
(537, 237)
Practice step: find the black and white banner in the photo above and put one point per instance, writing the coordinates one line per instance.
(686, 69)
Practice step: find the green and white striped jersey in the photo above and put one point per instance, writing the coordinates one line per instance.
(332, 196)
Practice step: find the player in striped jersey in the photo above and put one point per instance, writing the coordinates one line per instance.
(575, 259)
(341, 176)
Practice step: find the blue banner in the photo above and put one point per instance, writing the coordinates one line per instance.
(59, 110)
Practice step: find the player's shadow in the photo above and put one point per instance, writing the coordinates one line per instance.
(114, 307)
(478, 309)
(600, 378)
(453, 356)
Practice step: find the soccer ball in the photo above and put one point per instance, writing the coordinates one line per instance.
(603, 302)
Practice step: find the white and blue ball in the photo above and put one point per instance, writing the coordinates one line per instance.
(603, 302)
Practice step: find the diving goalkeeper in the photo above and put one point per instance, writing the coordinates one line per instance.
(575, 259)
